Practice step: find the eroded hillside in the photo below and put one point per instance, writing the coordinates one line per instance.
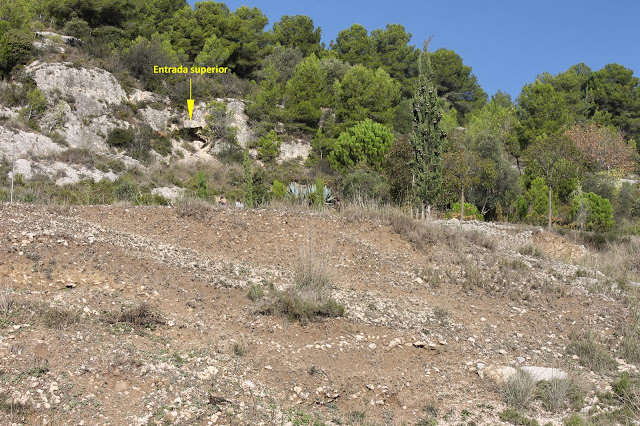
(140, 315)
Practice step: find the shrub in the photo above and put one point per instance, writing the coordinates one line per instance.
(194, 208)
(515, 418)
(470, 212)
(593, 212)
(519, 389)
(139, 316)
(365, 183)
(592, 354)
(78, 28)
(554, 392)
(309, 297)
(120, 138)
(269, 147)
(366, 142)
(162, 145)
(278, 190)
(255, 293)
(59, 318)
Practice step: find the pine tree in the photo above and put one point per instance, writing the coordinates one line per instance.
(427, 139)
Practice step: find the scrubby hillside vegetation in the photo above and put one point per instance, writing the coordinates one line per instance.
(341, 289)
(91, 107)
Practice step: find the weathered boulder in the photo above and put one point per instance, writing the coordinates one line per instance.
(502, 374)
(22, 167)
(15, 144)
(92, 90)
(294, 149)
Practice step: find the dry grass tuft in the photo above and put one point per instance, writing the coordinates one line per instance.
(519, 389)
(140, 316)
(591, 352)
(309, 297)
(618, 260)
(554, 393)
(6, 299)
(59, 318)
(194, 208)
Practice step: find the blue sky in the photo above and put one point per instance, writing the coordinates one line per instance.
(506, 42)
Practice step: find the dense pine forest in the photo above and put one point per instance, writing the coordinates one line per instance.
(388, 120)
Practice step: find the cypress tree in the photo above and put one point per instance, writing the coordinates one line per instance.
(427, 139)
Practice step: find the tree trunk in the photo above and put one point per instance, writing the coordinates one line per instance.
(462, 204)
(549, 225)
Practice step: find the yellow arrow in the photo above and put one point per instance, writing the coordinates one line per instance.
(190, 102)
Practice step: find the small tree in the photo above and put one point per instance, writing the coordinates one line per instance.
(269, 147)
(556, 160)
(427, 139)
(604, 147)
(599, 213)
(366, 142)
(462, 171)
(37, 103)
(201, 185)
(536, 209)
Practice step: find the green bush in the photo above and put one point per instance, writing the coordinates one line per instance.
(77, 27)
(120, 138)
(593, 212)
(365, 183)
(469, 210)
(269, 147)
(538, 202)
(366, 142)
(278, 190)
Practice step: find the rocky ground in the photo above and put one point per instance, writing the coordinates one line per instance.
(138, 315)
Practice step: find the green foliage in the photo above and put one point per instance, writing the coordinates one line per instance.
(427, 139)
(470, 210)
(354, 46)
(278, 190)
(265, 102)
(366, 94)
(78, 28)
(364, 184)
(304, 93)
(36, 104)
(141, 56)
(558, 161)
(298, 31)
(599, 213)
(120, 138)
(616, 92)
(200, 185)
(214, 53)
(284, 60)
(366, 143)
(455, 82)
(514, 417)
(269, 147)
(537, 202)
(15, 48)
(541, 112)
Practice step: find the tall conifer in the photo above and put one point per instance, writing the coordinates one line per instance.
(427, 139)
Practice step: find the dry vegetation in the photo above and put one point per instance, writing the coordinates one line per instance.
(258, 309)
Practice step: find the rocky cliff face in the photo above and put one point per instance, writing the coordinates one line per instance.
(85, 104)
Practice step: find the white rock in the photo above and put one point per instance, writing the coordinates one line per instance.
(15, 144)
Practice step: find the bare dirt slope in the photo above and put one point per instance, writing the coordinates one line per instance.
(418, 320)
